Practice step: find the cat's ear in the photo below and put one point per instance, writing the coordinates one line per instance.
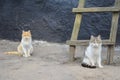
(23, 31)
(29, 31)
(99, 37)
(92, 37)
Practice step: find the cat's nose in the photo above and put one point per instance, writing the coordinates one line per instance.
(96, 45)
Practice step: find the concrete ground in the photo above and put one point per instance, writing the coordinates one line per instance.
(50, 62)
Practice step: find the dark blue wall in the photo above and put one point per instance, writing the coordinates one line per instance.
(52, 20)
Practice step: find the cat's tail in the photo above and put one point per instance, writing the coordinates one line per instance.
(13, 53)
(88, 66)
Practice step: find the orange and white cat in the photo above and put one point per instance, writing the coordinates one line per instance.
(25, 48)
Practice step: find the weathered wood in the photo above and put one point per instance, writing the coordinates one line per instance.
(110, 54)
(72, 52)
(117, 3)
(77, 22)
(86, 42)
(81, 3)
(76, 30)
(96, 9)
(114, 25)
(76, 27)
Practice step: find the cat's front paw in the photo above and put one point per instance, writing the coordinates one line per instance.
(29, 55)
(100, 66)
(25, 56)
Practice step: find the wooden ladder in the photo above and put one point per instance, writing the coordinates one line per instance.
(110, 43)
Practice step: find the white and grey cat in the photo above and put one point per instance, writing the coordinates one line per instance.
(92, 58)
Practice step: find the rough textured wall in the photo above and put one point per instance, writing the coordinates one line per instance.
(51, 20)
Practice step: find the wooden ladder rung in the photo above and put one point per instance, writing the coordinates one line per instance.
(86, 42)
(96, 9)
